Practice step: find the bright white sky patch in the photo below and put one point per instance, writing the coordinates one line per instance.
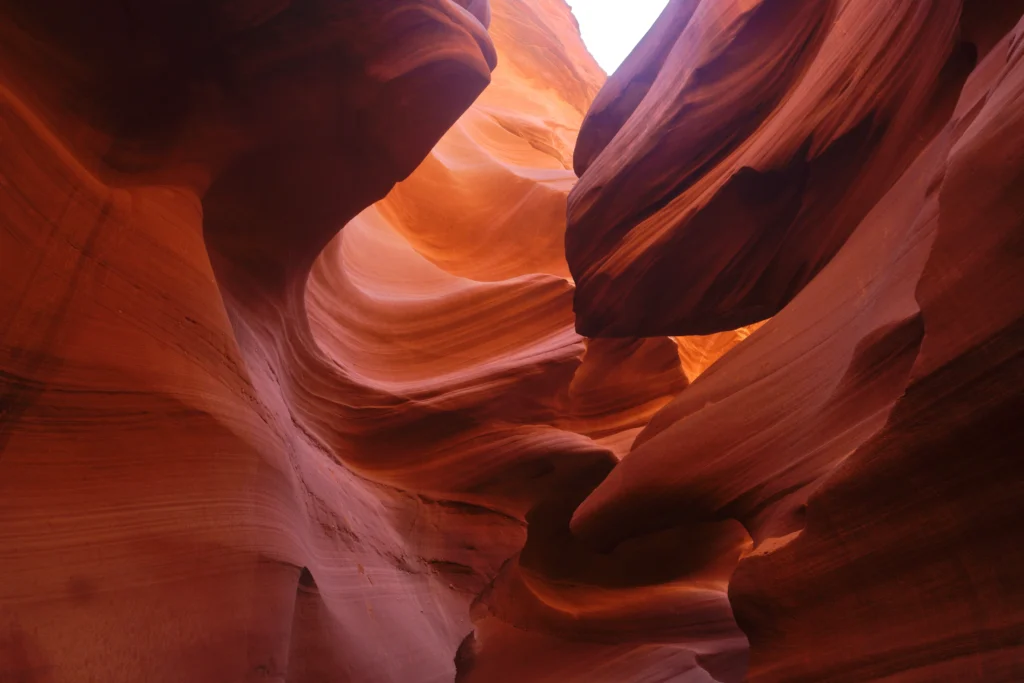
(612, 28)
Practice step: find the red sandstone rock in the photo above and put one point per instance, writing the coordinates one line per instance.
(770, 131)
(448, 302)
(918, 525)
(166, 512)
(833, 361)
(866, 436)
(222, 461)
(237, 444)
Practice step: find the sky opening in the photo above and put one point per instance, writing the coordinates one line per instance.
(612, 28)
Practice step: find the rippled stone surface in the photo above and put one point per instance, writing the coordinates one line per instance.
(292, 387)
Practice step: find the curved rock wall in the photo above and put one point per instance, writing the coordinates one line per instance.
(769, 132)
(234, 448)
(292, 381)
(450, 302)
(167, 513)
(863, 436)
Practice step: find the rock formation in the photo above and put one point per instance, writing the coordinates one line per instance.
(863, 436)
(768, 133)
(293, 385)
(212, 471)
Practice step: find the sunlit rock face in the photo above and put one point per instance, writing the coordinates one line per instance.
(855, 171)
(292, 387)
(447, 307)
(238, 446)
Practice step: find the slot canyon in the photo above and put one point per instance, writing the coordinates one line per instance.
(391, 341)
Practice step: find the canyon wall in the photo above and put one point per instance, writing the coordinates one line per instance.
(238, 445)
(855, 170)
(305, 376)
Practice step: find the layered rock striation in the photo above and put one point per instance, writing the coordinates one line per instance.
(306, 376)
(238, 445)
(867, 193)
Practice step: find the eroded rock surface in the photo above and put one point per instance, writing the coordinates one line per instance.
(292, 388)
(863, 436)
(236, 445)
(769, 132)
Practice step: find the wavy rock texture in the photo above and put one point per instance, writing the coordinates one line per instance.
(290, 387)
(236, 447)
(768, 133)
(866, 436)
(167, 513)
(450, 302)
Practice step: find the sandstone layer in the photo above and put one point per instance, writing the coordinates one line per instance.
(319, 364)
(741, 144)
(866, 436)
(238, 445)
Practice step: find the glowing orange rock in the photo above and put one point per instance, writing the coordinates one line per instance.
(866, 436)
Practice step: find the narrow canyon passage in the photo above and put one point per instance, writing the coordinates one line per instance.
(359, 341)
